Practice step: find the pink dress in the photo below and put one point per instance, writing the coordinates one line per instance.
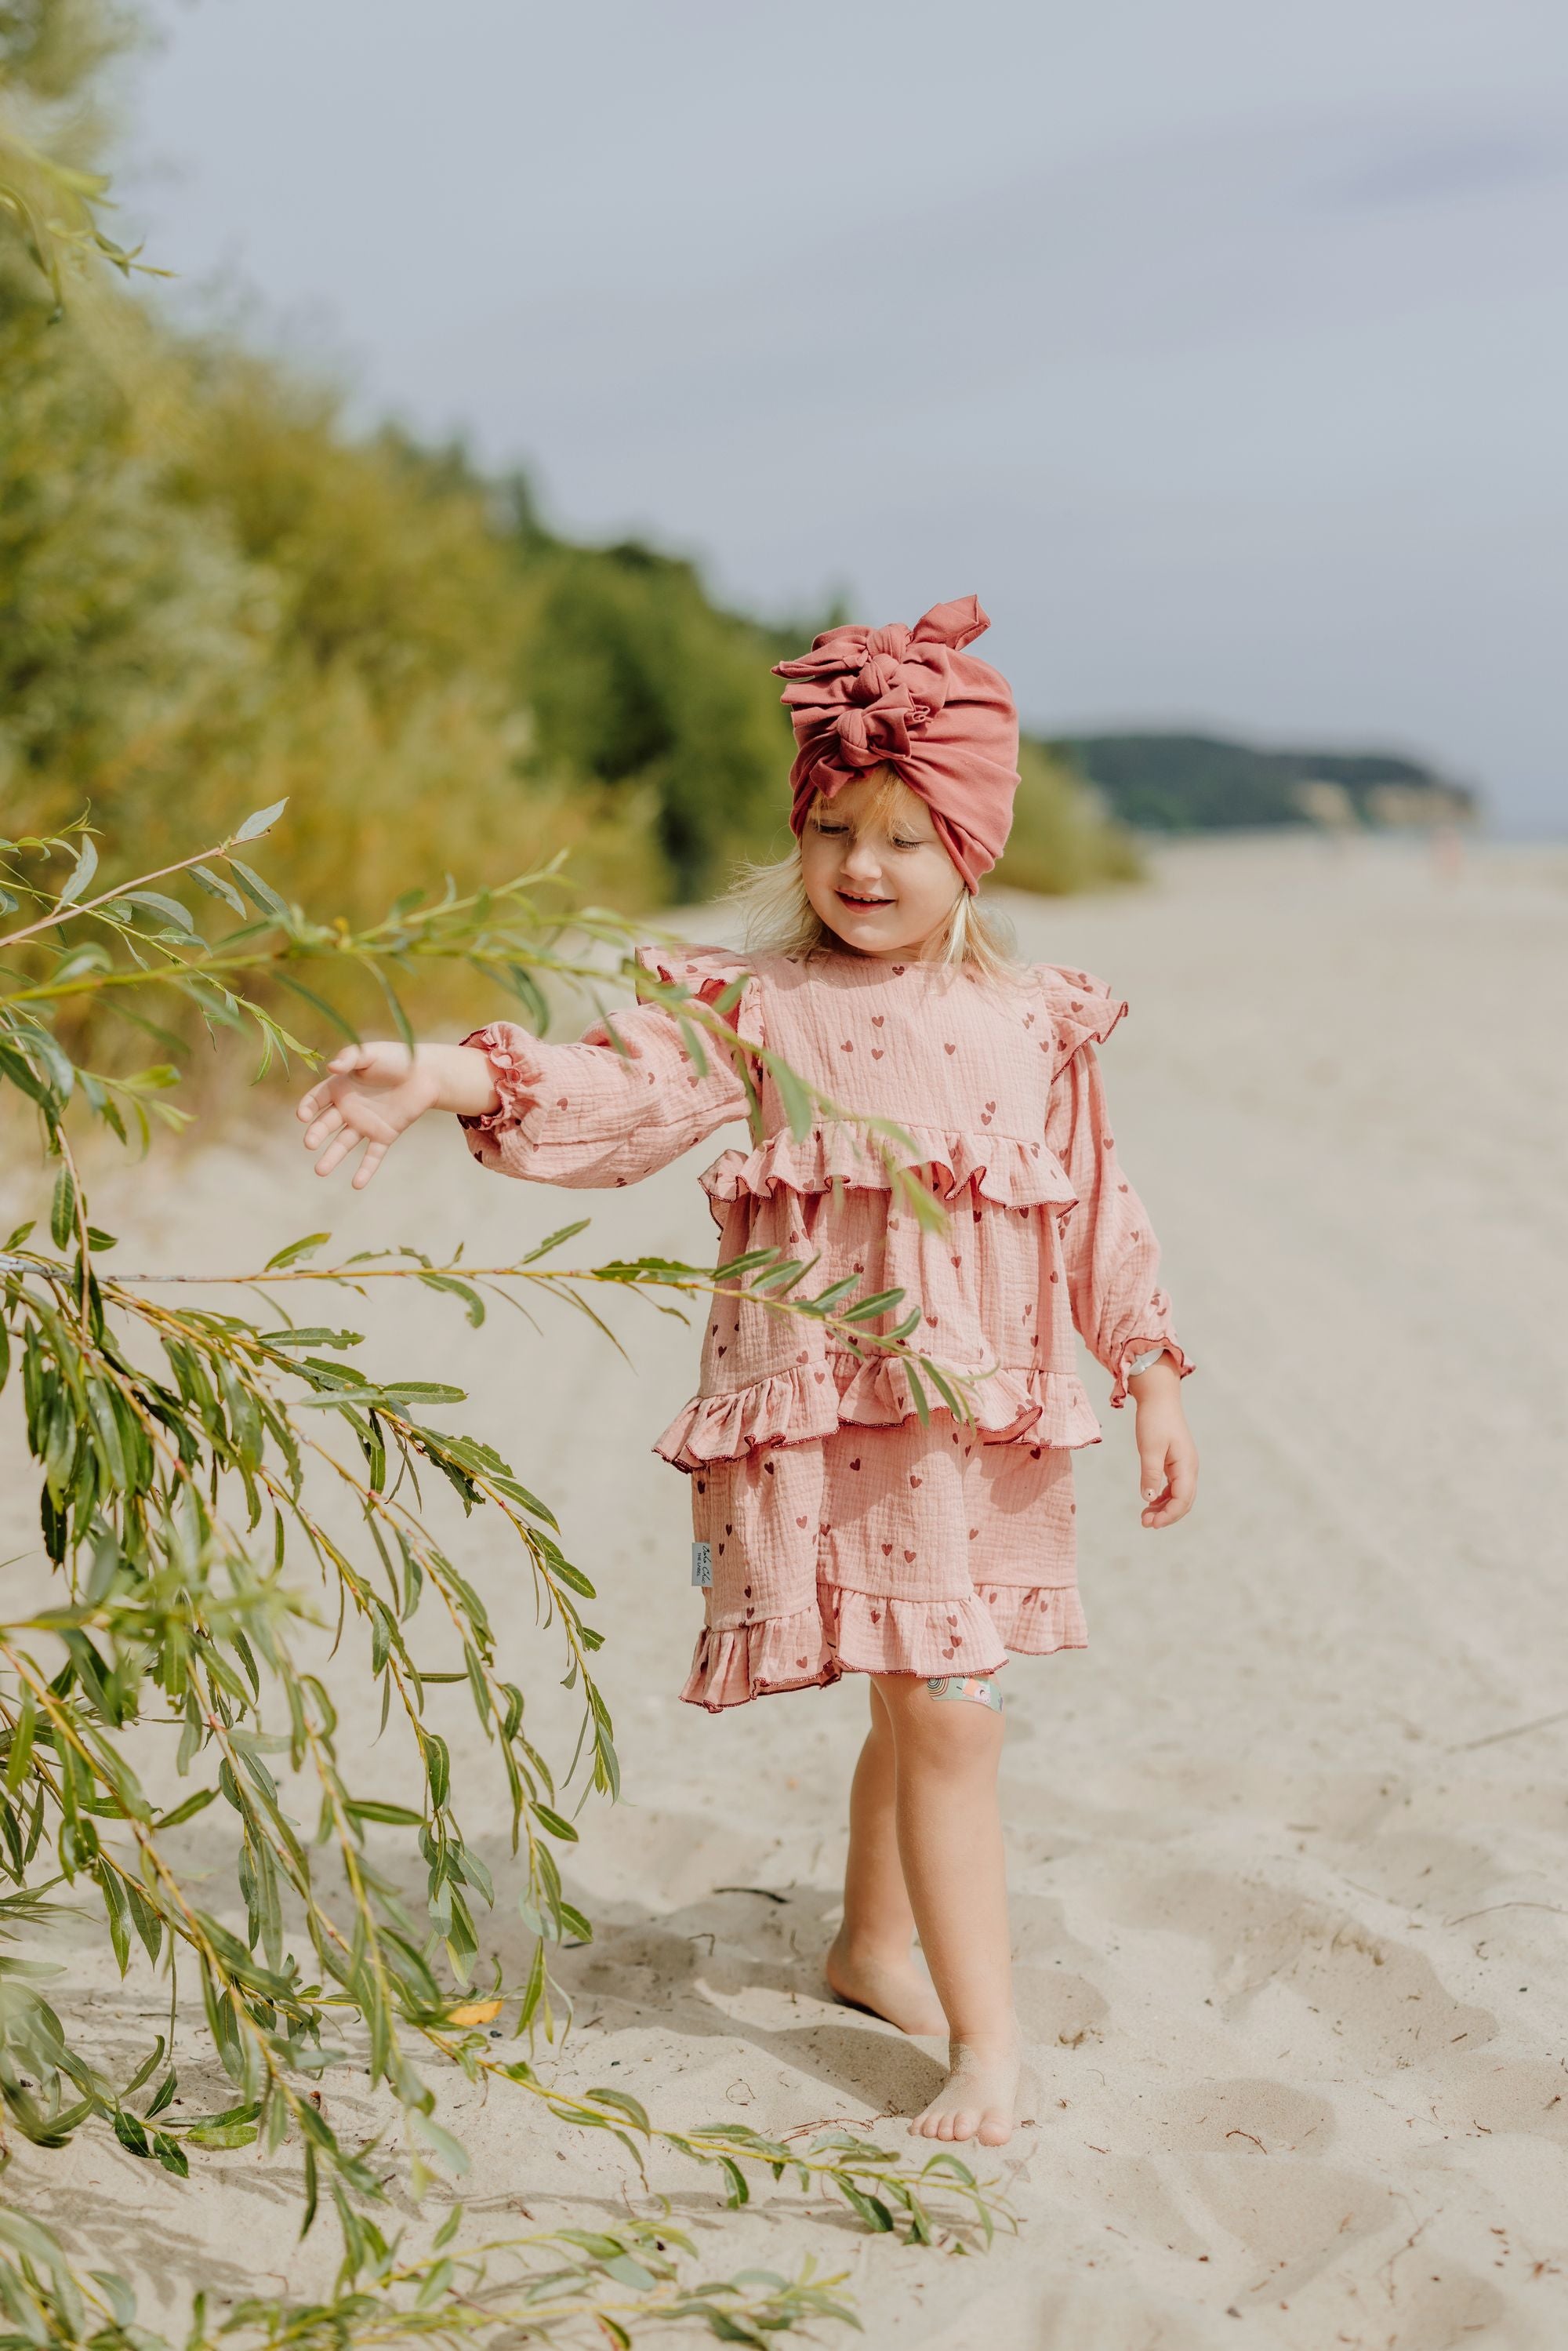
(844, 1535)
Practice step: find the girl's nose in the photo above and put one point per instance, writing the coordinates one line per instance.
(861, 859)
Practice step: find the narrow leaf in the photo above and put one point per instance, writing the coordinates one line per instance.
(81, 872)
(262, 821)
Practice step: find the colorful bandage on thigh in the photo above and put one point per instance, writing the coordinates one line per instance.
(978, 1693)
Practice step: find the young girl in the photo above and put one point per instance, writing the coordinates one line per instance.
(841, 1534)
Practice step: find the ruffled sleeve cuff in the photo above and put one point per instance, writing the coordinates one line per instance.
(1140, 1344)
(516, 1072)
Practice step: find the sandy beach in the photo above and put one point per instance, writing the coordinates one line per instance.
(1288, 1840)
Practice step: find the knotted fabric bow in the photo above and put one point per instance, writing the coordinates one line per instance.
(912, 700)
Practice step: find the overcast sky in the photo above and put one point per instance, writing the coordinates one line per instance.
(1219, 345)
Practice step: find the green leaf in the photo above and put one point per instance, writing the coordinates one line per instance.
(169, 908)
(797, 1101)
(945, 1390)
(118, 2296)
(220, 2135)
(81, 873)
(625, 2103)
(295, 1250)
(261, 822)
(63, 1211)
(451, 2152)
(553, 1240)
(259, 892)
(145, 2071)
(188, 1810)
(866, 1310)
(360, 1808)
(22, 1075)
(216, 887)
(554, 1822)
(21, 1741)
(90, 957)
(29, 2239)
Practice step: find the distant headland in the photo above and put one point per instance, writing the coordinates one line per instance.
(1200, 783)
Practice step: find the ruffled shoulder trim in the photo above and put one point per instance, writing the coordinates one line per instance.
(1083, 1010)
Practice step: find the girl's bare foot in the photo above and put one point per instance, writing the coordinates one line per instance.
(977, 2098)
(893, 1989)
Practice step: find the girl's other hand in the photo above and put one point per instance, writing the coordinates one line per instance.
(1167, 1459)
(370, 1094)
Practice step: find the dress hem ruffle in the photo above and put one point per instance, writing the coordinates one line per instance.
(865, 1633)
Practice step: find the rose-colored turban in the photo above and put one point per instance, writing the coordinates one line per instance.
(912, 700)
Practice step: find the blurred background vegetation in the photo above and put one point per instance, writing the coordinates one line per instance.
(213, 595)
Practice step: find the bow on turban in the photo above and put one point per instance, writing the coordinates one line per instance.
(912, 700)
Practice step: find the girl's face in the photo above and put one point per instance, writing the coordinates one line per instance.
(873, 868)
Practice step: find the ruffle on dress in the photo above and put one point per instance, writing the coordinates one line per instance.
(1082, 1009)
(860, 1632)
(1132, 1348)
(1002, 1169)
(810, 1401)
(518, 1076)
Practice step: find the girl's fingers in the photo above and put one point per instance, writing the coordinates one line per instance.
(330, 1120)
(374, 1153)
(312, 1104)
(1162, 1510)
(337, 1151)
(352, 1057)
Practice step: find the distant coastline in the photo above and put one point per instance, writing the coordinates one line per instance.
(1199, 783)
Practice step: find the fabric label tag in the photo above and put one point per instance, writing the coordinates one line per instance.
(702, 1565)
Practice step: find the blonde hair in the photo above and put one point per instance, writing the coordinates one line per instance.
(781, 919)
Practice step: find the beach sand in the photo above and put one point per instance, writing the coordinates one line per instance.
(1287, 1841)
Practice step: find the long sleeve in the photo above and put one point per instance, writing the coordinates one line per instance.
(595, 1115)
(1111, 1255)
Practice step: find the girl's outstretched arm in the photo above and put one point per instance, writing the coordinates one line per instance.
(373, 1094)
(619, 1104)
(608, 1110)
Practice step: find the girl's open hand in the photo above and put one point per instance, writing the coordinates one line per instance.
(370, 1094)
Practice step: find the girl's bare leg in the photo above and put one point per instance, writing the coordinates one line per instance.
(950, 1846)
(871, 1962)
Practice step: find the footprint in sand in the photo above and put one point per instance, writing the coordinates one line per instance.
(1341, 1990)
